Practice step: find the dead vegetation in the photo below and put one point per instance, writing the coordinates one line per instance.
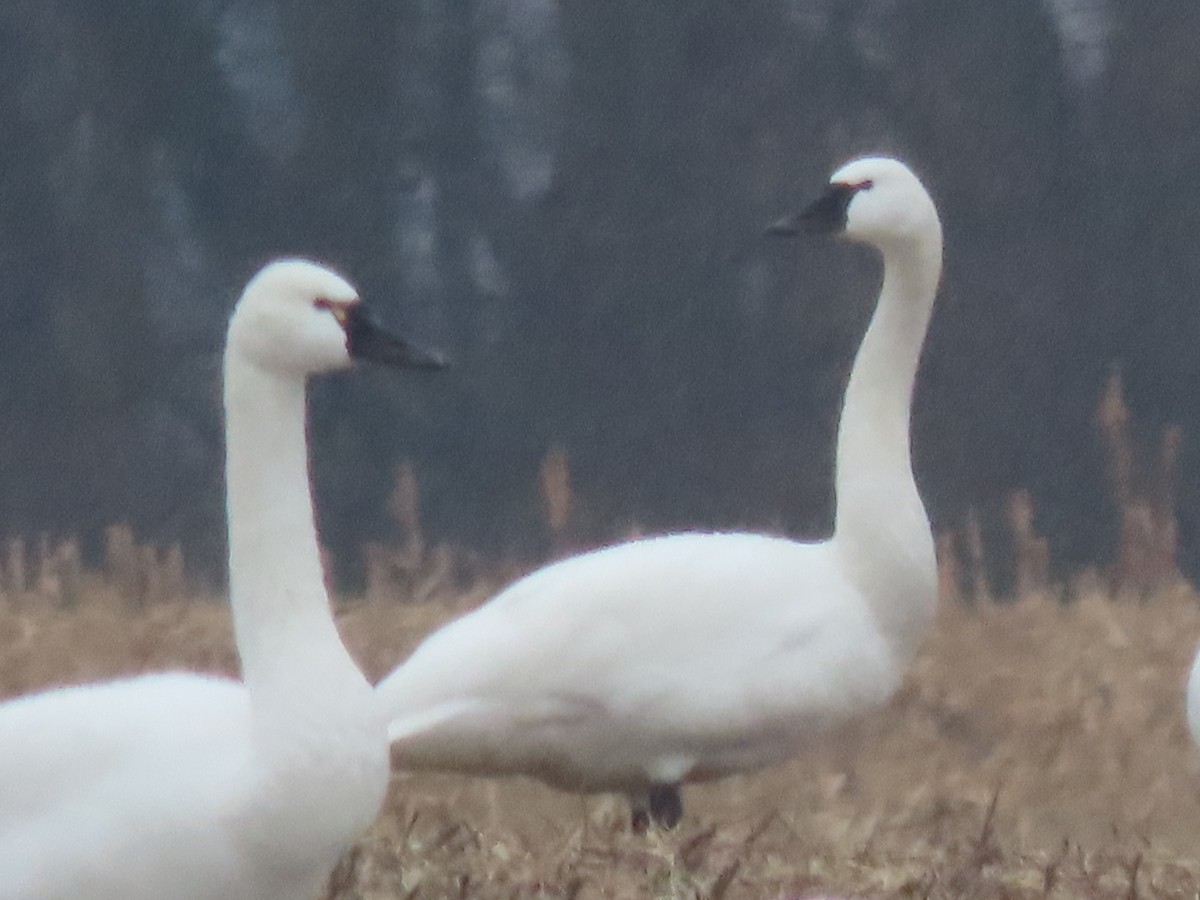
(1038, 748)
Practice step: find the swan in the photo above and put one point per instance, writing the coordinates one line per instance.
(681, 658)
(194, 787)
(1193, 699)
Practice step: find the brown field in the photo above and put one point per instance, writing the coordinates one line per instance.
(1037, 750)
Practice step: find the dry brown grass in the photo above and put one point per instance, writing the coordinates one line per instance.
(1037, 750)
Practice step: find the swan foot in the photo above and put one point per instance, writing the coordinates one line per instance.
(666, 806)
(661, 805)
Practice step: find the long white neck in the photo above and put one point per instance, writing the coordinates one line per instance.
(881, 525)
(285, 632)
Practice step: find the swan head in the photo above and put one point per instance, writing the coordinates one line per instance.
(298, 317)
(874, 199)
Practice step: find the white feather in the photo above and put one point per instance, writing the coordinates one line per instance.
(1193, 699)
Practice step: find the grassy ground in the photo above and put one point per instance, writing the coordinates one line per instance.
(1036, 750)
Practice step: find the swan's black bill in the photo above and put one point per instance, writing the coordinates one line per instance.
(826, 215)
(366, 339)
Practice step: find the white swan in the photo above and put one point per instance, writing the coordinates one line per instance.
(191, 787)
(645, 665)
(1193, 699)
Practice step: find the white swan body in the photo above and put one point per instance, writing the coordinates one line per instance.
(193, 787)
(681, 658)
(1193, 699)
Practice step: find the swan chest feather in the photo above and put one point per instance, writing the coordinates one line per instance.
(155, 787)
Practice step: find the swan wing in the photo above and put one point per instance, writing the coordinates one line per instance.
(673, 653)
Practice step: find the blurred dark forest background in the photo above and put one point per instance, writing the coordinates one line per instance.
(568, 197)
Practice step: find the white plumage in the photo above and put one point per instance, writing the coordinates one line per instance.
(1193, 699)
(645, 665)
(193, 787)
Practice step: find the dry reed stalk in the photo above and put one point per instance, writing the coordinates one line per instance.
(1031, 553)
(69, 566)
(46, 577)
(7, 594)
(15, 569)
(174, 573)
(141, 574)
(151, 576)
(1112, 415)
(1166, 545)
(981, 589)
(436, 577)
(1147, 532)
(392, 571)
(380, 580)
(122, 564)
(404, 506)
(392, 576)
(1135, 550)
(554, 481)
(949, 567)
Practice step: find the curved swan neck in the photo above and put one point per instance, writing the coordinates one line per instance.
(285, 633)
(880, 521)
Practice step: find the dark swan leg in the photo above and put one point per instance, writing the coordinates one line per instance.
(666, 806)
(639, 822)
(660, 806)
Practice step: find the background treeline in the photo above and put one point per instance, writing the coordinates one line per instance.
(569, 197)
